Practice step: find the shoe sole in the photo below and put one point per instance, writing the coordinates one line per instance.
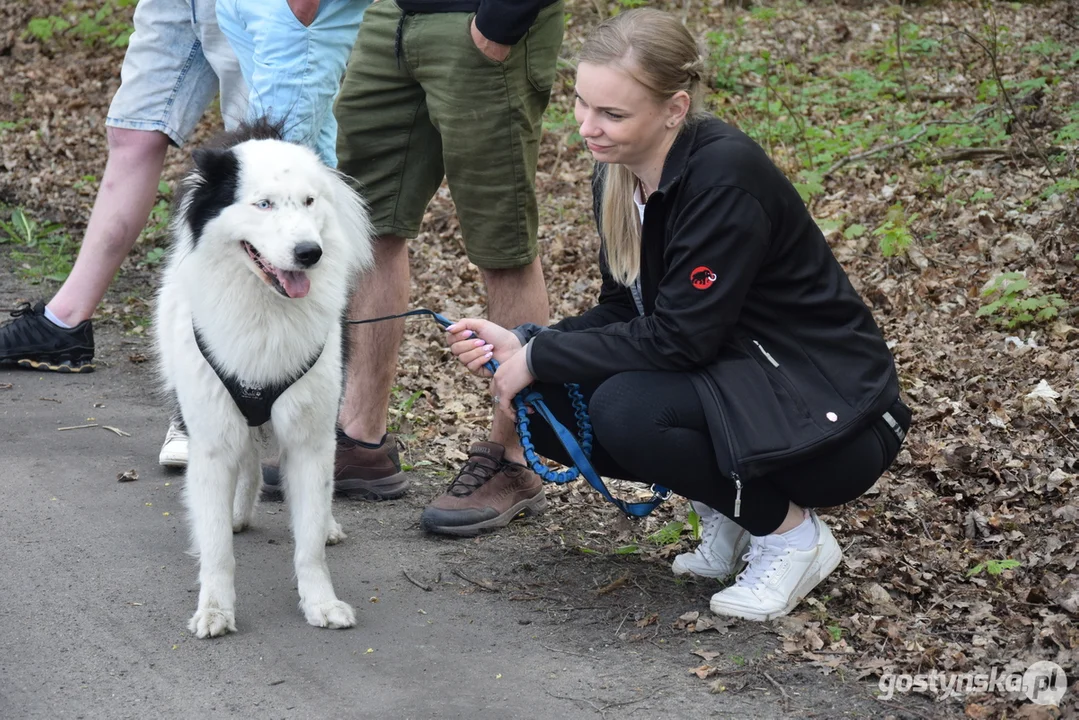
(529, 507)
(388, 488)
(396, 488)
(827, 565)
(65, 366)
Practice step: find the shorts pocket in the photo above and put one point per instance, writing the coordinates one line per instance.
(542, 43)
(472, 44)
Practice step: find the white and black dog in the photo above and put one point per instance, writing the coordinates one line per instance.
(265, 243)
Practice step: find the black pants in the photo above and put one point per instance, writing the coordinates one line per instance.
(650, 427)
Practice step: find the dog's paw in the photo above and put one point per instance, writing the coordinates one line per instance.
(212, 622)
(333, 614)
(240, 524)
(336, 534)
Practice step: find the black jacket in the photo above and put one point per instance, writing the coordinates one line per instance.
(503, 21)
(741, 290)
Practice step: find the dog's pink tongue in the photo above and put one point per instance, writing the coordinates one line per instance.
(295, 282)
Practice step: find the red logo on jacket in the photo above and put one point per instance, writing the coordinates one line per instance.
(702, 278)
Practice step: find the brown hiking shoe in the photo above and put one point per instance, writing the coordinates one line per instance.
(359, 472)
(487, 493)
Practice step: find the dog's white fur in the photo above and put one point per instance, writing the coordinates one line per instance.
(260, 336)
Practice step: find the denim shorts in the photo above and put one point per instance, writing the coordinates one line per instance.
(177, 60)
(293, 71)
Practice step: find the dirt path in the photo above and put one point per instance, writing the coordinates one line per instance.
(98, 589)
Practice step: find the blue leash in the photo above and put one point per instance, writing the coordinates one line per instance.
(579, 448)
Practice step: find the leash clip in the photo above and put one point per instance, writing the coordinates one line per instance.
(664, 495)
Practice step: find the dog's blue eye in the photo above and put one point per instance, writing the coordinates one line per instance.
(264, 205)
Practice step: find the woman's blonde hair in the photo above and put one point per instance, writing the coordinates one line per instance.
(656, 50)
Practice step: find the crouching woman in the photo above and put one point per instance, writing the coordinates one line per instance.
(728, 357)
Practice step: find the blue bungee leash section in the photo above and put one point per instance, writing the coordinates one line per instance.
(578, 447)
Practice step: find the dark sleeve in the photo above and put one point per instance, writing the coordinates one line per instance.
(507, 21)
(722, 230)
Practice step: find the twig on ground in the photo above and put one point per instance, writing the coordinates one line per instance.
(486, 585)
(992, 55)
(613, 585)
(777, 686)
(77, 427)
(960, 154)
(913, 138)
(417, 583)
(567, 652)
(884, 148)
(1059, 432)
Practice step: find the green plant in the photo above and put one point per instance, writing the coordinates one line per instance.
(402, 406)
(694, 521)
(1012, 307)
(894, 233)
(50, 258)
(154, 257)
(993, 567)
(669, 533)
(102, 26)
(24, 230)
(835, 632)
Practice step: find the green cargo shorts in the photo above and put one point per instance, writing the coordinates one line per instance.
(421, 102)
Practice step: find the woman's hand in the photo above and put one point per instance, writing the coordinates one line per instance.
(511, 378)
(475, 342)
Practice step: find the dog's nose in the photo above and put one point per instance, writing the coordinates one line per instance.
(307, 253)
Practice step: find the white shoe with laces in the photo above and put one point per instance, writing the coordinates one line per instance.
(778, 575)
(174, 449)
(723, 542)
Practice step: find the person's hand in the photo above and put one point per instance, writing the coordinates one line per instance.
(495, 51)
(474, 342)
(304, 10)
(511, 378)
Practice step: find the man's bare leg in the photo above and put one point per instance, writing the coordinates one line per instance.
(373, 348)
(123, 204)
(514, 297)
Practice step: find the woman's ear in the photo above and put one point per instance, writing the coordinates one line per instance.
(677, 108)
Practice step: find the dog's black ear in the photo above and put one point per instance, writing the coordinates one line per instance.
(219, 171)
(215, 165)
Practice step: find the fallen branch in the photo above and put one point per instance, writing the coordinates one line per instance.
(482, 585)
(868, 153)
(421, 586)
(777, 686)
(77, 427)
(1059, 432)
(992, 55)
(972, 153)
(612, 586)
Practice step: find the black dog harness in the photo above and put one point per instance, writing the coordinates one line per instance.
(254, 401)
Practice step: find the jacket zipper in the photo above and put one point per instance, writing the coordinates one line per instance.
(735, 476)
(765, 353)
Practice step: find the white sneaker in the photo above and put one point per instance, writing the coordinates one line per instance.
(777, 576)
(174, 449)
(722, 543)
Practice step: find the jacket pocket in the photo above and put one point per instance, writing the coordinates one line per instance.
(760, 415)
(777, 376)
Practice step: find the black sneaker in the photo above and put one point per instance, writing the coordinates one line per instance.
(33, 341)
